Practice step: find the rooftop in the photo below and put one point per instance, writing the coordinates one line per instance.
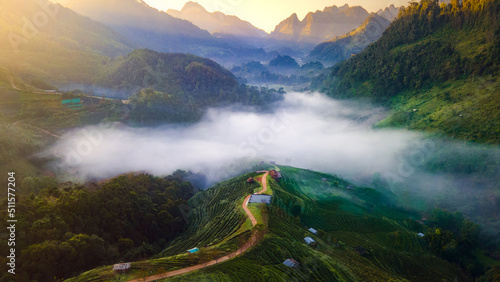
(121, 266)
(260, 199)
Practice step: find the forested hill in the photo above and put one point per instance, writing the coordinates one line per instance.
(177, 87)
(436, 65)
(68, 228)
(171, 73)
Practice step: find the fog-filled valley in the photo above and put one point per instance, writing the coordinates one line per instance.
(307, 130)
(142, 140)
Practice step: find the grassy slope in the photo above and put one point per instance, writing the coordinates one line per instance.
(465, 108)
(24, 116)
(455, 90)
(346, 219)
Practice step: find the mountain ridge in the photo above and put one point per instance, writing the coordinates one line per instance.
(216, 22)
(437, 66)
(343, 47)
(320, 26)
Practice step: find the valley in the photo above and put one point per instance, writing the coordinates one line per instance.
(193, 142)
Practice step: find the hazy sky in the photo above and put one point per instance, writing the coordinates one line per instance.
(266, 14)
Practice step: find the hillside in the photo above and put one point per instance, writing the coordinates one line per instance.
(437, 66)
(176, 87)
(149, 28)
(343, 47)
(71, 51)
(70, 228)
(130, 16)
(217, 22)
(320, 26)
(64, 47)
(361, 235)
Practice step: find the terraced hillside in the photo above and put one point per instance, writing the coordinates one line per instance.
(218, 226)
(350, 221)
(361, 236)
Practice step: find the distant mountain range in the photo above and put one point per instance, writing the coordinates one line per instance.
(343, 47)
(390, 13)
(69, 50)
(320, 26)
(149, 28)
(216, 23)
(142, 23)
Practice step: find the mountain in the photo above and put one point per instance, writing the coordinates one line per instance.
(49, 42)
(390, 13)
(145, 25)
(343, 47)
(70, 51)
(149, 28)
(217, 22)
(320, 26)
(437, 66)
(359, 234)
(175, 87)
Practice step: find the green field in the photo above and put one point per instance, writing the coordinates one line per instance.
(361, 236)
(31, 121)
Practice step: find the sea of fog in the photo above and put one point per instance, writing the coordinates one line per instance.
(306, 130)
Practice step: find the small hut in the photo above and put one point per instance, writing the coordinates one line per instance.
(291, 263)
(193, 250)
(250, 180)
(312, 230)
(309, 240)
(275, 174)
(255, 198)
(122, 267)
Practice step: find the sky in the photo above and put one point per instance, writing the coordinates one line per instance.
(266, 14)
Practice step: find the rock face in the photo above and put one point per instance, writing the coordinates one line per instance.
(320, 26)
(343, 47)
(217, 22)
(390, 13)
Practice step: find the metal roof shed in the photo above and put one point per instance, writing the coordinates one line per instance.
(309, 240)
(122, 266)
(291, 263)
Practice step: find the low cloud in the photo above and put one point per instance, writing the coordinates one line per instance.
(307, 131)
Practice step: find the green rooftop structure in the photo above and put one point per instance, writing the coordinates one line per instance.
(72, 103)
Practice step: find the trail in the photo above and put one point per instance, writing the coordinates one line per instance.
(249, 244)
(41, 129)
(12, 84)
(264, 183)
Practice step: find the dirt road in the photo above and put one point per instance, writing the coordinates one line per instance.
(252, 242)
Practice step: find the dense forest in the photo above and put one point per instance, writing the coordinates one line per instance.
(178, 87)
(447, 55)
(69, 228)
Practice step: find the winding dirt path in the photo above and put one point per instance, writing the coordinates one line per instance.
(264, 183)
(245, 208)
(252, 242)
